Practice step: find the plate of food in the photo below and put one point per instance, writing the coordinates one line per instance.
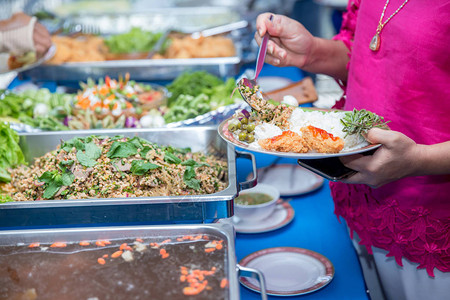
(13, 63)
(297, 132)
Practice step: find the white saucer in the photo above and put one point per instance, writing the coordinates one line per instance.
(282, 215)
(288, 271)
(290, 179)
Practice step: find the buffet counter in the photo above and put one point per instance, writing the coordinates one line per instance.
(314, 226)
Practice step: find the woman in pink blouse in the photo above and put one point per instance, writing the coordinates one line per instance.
(392, 58)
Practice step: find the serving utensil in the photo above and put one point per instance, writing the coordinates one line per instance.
(251, 83)
(204, 33)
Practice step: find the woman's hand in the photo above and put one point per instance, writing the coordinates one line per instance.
(398, 157)
(289, 44)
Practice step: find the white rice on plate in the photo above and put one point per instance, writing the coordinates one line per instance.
(329, 121)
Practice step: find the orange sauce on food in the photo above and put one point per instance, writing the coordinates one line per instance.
(324, 134)
(286, 133)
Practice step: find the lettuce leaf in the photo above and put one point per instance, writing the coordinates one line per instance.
(10, 153)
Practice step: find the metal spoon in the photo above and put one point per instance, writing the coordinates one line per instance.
(251, 83)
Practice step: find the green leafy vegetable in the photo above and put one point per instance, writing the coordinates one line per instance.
(361, 121)
(10, 153)
(171, 158)
(134, 41)
(189, 178)
(140, 167)
(122, 150)
(85, 160)
(54, 181)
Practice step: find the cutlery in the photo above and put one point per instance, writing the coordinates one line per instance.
(251, 83)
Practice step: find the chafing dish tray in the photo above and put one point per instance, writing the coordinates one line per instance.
(137, 210)
(139, 262)
(140, 70)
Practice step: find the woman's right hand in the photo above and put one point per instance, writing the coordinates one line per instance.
(290, 44)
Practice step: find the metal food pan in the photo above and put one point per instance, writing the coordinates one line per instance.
(140, 70)
(137, 210)
(221, 230)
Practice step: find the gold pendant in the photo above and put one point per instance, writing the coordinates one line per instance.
(375, 42)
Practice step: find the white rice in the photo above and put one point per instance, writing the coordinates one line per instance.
(329, 121)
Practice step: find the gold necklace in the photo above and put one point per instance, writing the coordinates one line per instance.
(376, 40)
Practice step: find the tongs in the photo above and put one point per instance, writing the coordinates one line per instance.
(251, 83)
(204, 33)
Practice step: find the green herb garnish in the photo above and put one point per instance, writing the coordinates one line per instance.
(140, 167)
(361, 121)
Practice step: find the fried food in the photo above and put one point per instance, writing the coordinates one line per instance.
(288, 141)
(78, 49)
(320, 140)
(203, 47)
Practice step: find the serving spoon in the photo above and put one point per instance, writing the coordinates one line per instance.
(251, 83)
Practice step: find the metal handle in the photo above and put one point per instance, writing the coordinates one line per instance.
(256, 274)
(254, 180)
(220, 29)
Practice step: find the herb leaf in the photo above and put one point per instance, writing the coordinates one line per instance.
(189, 178)
(171, 158)
(85, 160)
(361, 121)
(121, 150)
(140, 167)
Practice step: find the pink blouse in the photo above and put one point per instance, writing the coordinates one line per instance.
(407, 81)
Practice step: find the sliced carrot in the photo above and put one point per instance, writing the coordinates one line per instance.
(165, 255)
(34, 245)
(84, 243)
(108, 81)
(100, 243)
(190, 291)
(117, 254)
(101, 261)
(84, 103)
(139, 240)
(58, 245)
(105, 255)
(219, 246)
(166, 241)
(208, 250)
(224, 283)
(183, 278)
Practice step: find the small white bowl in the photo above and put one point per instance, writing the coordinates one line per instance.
(257, 212)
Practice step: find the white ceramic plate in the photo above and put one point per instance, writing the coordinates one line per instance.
(290, 180)
(4, 61)
(281, 216)
(229, 138)
(288, 271)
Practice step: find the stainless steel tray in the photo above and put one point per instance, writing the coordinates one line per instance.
(140, 70)
(181, 19)
(223, 230)
(148, 210)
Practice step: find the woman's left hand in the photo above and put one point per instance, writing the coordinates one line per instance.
(396, 158)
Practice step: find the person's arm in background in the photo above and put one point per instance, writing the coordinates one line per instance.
(291, 44)
(21, 34)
